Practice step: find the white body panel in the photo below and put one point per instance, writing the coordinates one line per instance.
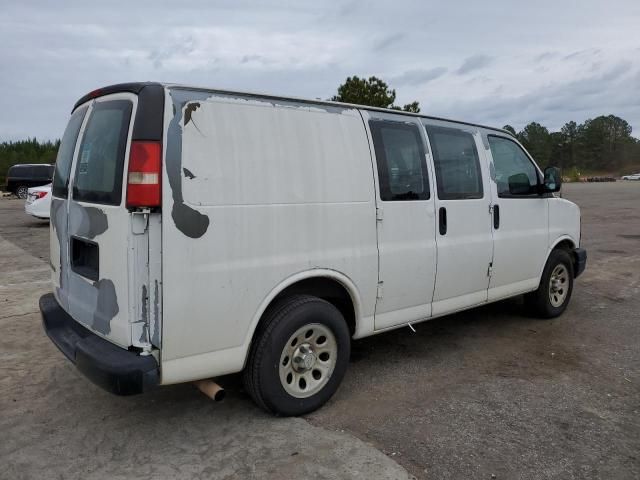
(274, 192)
(38, 207)
(261, 193)
(286, 190)
(407, 253)
(520, 241)
(465, 251)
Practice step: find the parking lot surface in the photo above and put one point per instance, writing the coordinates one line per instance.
(487, 393)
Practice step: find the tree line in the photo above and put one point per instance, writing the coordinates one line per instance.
(26, 151)
(599, 145)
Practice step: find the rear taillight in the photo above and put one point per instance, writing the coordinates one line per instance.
(145, 174)
(40, 195)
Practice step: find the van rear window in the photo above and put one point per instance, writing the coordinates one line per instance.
(65, 153)
(98, 175)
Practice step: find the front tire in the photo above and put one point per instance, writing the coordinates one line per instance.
(556, 285)
(299, 356)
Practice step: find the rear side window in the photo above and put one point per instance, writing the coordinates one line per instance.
(457, 164)
(402, 169)
(65, 154)
(98, 175)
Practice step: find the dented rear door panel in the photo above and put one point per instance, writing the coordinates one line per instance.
(103, 266)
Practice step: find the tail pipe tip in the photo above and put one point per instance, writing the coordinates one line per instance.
(211, 389)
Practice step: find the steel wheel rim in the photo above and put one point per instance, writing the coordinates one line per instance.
(558, 285)
(22, 192)
(308, 360)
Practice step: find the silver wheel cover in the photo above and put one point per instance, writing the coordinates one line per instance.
(558, 285)
(308, 360)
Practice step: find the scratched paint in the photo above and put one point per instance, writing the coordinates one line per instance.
(189, 221)
(155, 338)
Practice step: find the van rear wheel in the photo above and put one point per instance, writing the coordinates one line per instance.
(299, 356)
(556, 285)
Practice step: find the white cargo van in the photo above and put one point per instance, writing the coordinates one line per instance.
(197, 233)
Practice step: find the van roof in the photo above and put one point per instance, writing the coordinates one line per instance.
(136, 87)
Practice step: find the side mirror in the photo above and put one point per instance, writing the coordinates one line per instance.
(552, 179)
(519, 184)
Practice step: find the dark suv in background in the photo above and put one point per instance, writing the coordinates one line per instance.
(21, 177)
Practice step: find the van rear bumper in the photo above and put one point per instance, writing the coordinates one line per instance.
(113, 368)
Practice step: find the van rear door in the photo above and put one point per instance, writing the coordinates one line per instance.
(99, 254)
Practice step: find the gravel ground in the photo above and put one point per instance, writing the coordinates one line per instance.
(486, 393)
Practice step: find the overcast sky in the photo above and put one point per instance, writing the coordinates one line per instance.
(493, 62)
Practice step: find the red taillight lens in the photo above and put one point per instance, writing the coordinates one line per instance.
(40, 195)
(145, 174)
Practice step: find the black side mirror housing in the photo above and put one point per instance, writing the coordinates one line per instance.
(552, 180)
(519, 184)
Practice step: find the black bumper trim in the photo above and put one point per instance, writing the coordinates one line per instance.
(581, 261)
(113, 368)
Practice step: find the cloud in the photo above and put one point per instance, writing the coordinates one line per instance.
(614, 91)
(56, 52)
(388, 41)
(475, 62)
(419, 76)
(545, 56)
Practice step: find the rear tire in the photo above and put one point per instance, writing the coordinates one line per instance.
(556, 285)
(298, 357)
(22, 191)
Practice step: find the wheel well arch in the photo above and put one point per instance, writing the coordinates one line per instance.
(330, 285)
(565, 243)
(328, 289)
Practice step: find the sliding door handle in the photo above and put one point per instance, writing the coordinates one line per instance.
(496, 217)
(442, 221)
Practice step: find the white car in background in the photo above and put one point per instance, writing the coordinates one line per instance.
(38, 201)
(633, 176)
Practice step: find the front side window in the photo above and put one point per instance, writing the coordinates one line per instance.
(402, 170)
(510, 162)
(65, 154)
(98, 174)
(457, 164)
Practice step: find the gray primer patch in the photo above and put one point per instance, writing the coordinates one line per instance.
(59, 224)
(156, 316)
(188, 220)
(88, 222)
(106, 306)
(188, 173)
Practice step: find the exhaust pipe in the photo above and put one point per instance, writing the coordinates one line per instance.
(211, 389)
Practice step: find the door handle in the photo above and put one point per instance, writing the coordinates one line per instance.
(442, 220)
(496, 217)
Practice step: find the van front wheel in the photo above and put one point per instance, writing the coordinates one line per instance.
(299, 356)
(553, 295)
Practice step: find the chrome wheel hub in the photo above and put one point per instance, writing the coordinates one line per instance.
(308, 360)
(303, 358)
